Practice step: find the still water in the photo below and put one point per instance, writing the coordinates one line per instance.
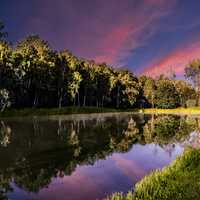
(87, 157)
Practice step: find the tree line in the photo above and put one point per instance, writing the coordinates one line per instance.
(32, 74)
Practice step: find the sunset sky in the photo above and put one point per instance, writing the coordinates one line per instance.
(147, 36)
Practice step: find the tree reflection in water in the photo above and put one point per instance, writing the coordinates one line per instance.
(36, 150)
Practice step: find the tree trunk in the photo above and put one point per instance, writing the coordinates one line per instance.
(118, 96)
(152, 122)
(60, 96)
(152, 100)
(78, 99)
(35, 102)
(84, 98)
(97, 103)
(197, 98)
(102, 101)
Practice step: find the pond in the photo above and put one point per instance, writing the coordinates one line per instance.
(79, 157)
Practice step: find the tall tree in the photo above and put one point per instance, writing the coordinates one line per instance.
(74, 86)
(192, 72)
(149, 90)
(185, 91)
(166, 95)
(37, 59)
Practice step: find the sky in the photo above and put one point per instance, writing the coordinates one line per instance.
(150, 37)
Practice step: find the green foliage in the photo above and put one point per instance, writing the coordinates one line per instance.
(166, 95)
(149, 89)
(192, 72)
(185, 91)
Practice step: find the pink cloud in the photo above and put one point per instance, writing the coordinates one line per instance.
(175, 61)
(129, 167)
(135, 29)
(107, 31)
(77, 181)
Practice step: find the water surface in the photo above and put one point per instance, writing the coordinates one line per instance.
(90, 156)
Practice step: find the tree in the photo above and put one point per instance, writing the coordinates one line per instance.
(185, 91)
(102, 84)
(131, 85)
(5, 53)
(166, 95)
(62, 71)
(192, 72)
(35, 65)
(34, 41)
(87, 87)
(7, 75)
(149, 90)
(74, 86)
(125, 88)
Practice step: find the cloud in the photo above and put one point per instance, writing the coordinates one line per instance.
(176, 60)
(106, 31)
(130, 168)
(78, 181)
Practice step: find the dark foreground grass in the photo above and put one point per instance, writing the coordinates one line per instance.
(179, 181)
(57, 111)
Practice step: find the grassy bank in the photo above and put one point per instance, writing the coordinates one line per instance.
(57, 111)
(179, 181)
(189, 111)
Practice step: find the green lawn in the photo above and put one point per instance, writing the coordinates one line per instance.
(179, 181)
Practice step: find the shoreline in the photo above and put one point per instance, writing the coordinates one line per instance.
(31, 112)
(28, 112)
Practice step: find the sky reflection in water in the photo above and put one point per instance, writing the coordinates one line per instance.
(87, 157)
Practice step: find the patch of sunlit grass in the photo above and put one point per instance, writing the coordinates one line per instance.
(195, 110)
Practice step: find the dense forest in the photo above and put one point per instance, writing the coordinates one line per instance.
(32, 74)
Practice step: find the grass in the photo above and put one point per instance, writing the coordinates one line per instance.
(189, 111)
(179, 181)
(56, 111)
